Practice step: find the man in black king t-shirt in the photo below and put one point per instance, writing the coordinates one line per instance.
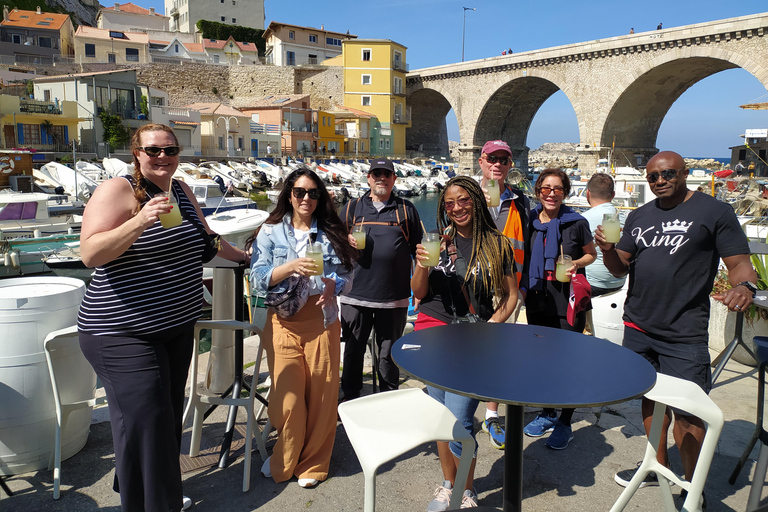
(671, 248)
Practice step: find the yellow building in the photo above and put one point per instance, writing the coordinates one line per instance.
(374, 82)
(354, 127)
(328, 136)
(45, 125)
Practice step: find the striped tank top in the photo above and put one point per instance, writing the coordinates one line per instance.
(154, 285)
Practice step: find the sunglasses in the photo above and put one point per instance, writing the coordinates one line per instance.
(461, 203)
(299, 193)
(503, 160)
(154, 151)
(667, 174)
(559, 191)
(378, 173)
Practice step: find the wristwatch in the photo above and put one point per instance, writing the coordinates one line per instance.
(752, 287)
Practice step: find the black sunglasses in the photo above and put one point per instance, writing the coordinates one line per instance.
(378, 173)
(503, 160)
(154, 151)
(667, 174)
(299, 193)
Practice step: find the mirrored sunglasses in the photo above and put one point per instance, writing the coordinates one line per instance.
(667, 174)
(154, 151)
(503, 160)
(378, 173)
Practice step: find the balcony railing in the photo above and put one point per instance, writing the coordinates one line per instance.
(401, 118)
(39, 107)
(266, 129)
(176, 111)
(399, 65)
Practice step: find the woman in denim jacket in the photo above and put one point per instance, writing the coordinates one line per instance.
(303, 349)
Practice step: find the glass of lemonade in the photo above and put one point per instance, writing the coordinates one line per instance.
(358, 233)
(611, 227)
(315, 253)
(431, 243)
(172, 218)
(492, 189)
(564, 262)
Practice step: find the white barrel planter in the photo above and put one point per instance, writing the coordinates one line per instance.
(31, 308)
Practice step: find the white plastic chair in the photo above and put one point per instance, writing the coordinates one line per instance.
(59, 344)
(199, 403)
(685, 395)
(385, 425)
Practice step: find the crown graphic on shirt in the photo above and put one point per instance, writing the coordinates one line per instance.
(675, 226)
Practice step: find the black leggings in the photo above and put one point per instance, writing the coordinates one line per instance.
(144, 379)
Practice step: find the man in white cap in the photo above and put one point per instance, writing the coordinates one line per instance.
(512, 217)
(381, 287)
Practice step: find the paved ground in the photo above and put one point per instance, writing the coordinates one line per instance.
(577, 479)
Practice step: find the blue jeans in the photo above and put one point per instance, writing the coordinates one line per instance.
(463, 408)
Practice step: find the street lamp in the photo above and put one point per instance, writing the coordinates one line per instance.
(464, 29)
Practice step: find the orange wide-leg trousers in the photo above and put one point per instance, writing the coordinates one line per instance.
(303, 359)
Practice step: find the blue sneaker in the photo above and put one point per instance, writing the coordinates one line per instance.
(540, 426)
(560, 437)
(495, 432)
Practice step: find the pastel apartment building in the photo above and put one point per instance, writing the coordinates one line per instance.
(293, 114)
(185, 14)
(374, 82)
(36, 37)
(111, 45)
(294, 45)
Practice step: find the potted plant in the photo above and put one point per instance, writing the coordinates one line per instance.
(722, 322)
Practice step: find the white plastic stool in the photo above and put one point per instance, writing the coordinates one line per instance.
(687, 396)
(200, 402)
(385, 425)
(64, 341)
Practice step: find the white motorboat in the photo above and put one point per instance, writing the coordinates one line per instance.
(92, 170)
(235, 226)
(58, 175)
(116, 167)
(229, 175)
(212, 199)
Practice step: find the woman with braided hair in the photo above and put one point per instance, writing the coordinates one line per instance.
(474, 273)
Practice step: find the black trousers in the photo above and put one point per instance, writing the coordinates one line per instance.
(356, 325)
(144, 379)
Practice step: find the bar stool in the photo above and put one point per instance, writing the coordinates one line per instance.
(761, 343)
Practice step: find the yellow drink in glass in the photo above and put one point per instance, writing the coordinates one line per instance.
(493, 192)
(358, 234)
(431, 243)
(173, 218)
(315, 253)
(611, 228)
(564, 262)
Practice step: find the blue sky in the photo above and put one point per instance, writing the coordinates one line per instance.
(705, 121)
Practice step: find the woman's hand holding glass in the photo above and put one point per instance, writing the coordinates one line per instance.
(151, 211)
(421, 255)
(303, 266)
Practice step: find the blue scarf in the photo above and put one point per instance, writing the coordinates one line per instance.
(544, 255)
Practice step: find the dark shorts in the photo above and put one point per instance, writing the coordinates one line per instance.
(687, 361)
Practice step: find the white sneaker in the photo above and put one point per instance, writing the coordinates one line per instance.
(186, 502)
(265, 471)
(307, 482)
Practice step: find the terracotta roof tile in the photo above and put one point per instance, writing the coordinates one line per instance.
(30, 19)
(133, 9)
(219, 44)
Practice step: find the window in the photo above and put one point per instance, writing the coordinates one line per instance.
(223, 18)
(366, 102)
(362, 145)
(290, 58)
(111, 58)
(311, 59)
(234, 20)
(44, 42)
(330, 41)
(132, 54)
(381, 143)
(234, 3)
(366, 80)
(215, 59)
(291, 34)
(47, 95)
(16, 38)
(221, 142)
(44, 23)
(31, 133)
(312, 38)
(386, 144)
(366, 54)
(398, 85)
(90, 50)
(240, 143)
(116, 35)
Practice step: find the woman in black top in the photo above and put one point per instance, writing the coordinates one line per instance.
(476, 256)
(555, 228)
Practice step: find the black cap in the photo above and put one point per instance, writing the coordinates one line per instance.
(382, 163)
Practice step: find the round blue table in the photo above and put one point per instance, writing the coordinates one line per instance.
(523, 365)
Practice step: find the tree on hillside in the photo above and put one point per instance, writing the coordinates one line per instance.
(222, 32)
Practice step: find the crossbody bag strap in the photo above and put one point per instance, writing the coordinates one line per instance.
(213, 240)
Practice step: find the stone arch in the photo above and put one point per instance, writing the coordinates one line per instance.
(645, 97)
(428, 133)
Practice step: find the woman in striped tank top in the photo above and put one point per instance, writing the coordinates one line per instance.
(136, 320)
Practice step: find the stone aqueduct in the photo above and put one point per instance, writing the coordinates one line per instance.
(620, 89)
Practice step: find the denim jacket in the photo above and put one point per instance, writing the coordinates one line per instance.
(276, 244)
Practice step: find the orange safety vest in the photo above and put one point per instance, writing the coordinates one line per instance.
(513, 229)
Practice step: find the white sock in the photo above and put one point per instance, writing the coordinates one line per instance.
(491, 414)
